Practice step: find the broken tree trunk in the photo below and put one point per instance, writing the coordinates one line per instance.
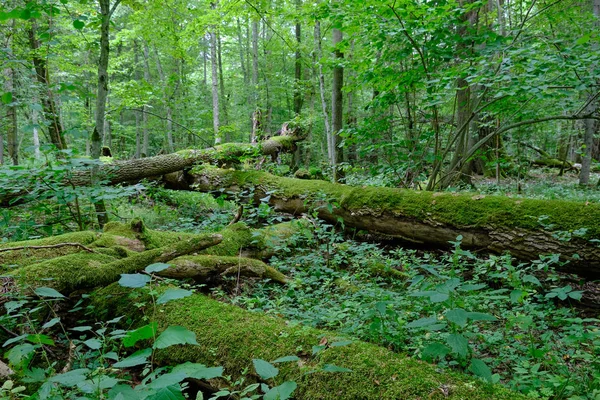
(134, 170)
(231, 337)
(526, 228)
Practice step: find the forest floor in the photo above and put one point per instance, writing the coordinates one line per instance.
(534, 328)
(523, 325)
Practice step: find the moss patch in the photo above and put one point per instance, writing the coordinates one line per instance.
(18, 258)
(232, 337)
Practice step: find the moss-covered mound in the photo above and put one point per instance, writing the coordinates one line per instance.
(231, 337)
(28, 255)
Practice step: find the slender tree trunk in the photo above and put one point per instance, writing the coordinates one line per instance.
(102, 94)
(148, 79)
(50, 107)
(321, 79)
(166, 102)
(223, 100)
(337, 106)
(591, 125)
(241, 48)
(256, 114)
(215, 85)
(11, 117)
(298, 98)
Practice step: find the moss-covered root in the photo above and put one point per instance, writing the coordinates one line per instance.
(238, 239)
(231, 337)
(83, 271)
(27, 256)
(205, 268)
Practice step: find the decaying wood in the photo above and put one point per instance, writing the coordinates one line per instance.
(115, 172)
(526, 228)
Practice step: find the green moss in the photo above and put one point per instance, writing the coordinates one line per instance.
(135, 230)
(206, 267)
(466, 210)
(235, 237)
(18, 258)
(232, 337)
(64, 273)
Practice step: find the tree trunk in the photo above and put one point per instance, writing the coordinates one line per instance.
(50, 107)
(223, 100)
(147, 78)
(321, 79)
(166, 102)
(337, 107)
(215, 85)
(11, 117)
(493, 223)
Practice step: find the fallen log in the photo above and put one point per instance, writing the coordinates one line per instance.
(113, 171)
(527, 228)
(89, 270)
(206, 268)
(231, 337)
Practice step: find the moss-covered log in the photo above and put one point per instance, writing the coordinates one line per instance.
(231, 337)
(206, 268)
(84, 270)
(114, 171)
(526, 228)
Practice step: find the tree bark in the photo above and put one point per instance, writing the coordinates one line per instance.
(337, 106)
(321, 79)
(526, 228)
(50, 107)
(215, 85)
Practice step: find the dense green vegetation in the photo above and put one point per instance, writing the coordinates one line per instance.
(448, 117)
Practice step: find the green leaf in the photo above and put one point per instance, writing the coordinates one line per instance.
(15, 340)
(575, 295)
(457, 316)
(458, 343)
(143, 333)
(93, 344)
(71, 378)
(265, 369)
(156, 267)
(341, 343)
(138, 358)
(439, 297)
(51, 323)
(516, 295)
(435, 350)
(169, 393)
(40, 339)
(198, 371)
(20, 354)
(97, 382)
(334, 368)
(173, 294)
(47, 292)
(7, 98)
(175, 335)
(78, 24)
(480, 369)
(123, 392)
(134, 280)
(167, 380)
(286, 359)
(584, 39)
(532, 279)
(281, 392)
(422, 322)
(479, 316)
